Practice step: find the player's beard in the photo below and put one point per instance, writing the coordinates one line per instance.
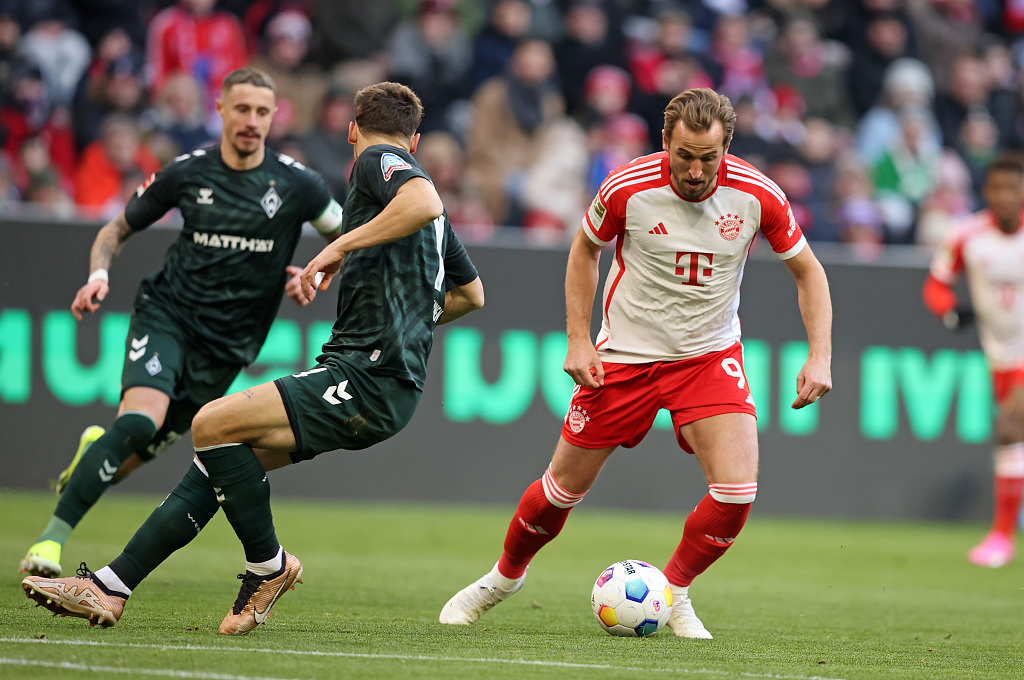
(242, 145)
(691, 193)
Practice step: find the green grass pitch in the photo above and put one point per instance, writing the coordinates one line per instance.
(792, 599)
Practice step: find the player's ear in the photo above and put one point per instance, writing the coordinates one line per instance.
(353, 132)
(414, 142)
(664, 140)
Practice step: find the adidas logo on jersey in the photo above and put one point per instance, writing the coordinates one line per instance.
(660, 229)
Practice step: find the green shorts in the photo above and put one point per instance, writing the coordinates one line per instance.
(339, 406)
(159, 355)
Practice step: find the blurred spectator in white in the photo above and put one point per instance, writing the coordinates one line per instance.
(441, 156)
(970, 89)
(61, 52)
(907, 84)
(193, 37)
(554, 192)
(507, 26)
(814, 68)
(351, 30)
(944, 29)
(29, 113)
(179, 115)
(861, 226)
(327, 147)
(300, 84)
(591, 39)
(673, 40)
(99, 177)
(740, 62)
(885, 40)
(905, 174)
(949, 202)
(431, 53)
(511, 114)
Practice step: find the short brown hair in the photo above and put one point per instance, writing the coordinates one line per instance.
(248, 75)
(1009, 162)
(389, 109)
(699, 109)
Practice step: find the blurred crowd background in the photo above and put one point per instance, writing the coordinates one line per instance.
(877, 117)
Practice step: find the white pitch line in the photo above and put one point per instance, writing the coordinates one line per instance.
(67, 666)
(421, 657)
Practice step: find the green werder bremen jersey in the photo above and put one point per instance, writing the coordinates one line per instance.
(223, 278)
(390, 296)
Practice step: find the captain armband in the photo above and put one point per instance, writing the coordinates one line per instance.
(330, 219)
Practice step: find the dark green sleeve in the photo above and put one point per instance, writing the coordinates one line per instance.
(316, 195)
(458, 268)
(153, 198)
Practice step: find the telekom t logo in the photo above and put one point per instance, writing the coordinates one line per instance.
(692, 270)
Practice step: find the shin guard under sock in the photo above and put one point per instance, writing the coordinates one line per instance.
(710, 530)
(171, 526)
(541, 514)
(130, 432)
(244, 492)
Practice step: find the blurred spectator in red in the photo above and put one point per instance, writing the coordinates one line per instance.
(431, 53)
(99, 177)
(905, 174)
(971, 89)
(509, 24)
(178, 114)
(61, 52)
(327, 147)
(300, 85)
(192, 37)
(907, 84)
(441, 156)
(949, 202)
(813, 68)
(671, 77)
(672, 42)
(740, 62)
(511, 113)
(592, 38)
(30, 113)
(886, 38)
(606, 92)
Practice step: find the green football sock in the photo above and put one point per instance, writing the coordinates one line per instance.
(57, 530)
(244, 492)
(99, 465)
(171, 526)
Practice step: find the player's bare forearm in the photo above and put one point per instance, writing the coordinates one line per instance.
(581, 275)
(414, 207)
(109, 242)
(815, 379)
(462, 300)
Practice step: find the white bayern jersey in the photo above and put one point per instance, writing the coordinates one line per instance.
(673, 289)
(994, 264)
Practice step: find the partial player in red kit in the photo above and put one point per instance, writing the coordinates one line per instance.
(682, 222)
(989, 248)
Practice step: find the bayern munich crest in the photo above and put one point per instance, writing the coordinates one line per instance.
(729, 226)
(577, 419)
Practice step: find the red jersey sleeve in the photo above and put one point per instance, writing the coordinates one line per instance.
(606, 216)
(948, 261)
(779, 226)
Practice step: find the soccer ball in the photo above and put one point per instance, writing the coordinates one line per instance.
(632, 599)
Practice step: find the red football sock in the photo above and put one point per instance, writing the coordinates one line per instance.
(710, 530)
(1008, 488)
(541, 514)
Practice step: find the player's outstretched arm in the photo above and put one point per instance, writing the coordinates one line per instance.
(461, 300)
(582, 361)
(107, 246)
(815, 378)
(415, 205)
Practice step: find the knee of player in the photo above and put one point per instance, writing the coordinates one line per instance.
(1009, 426)
(206, 429)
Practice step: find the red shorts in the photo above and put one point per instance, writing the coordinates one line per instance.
(621, 412)
(1004, 382)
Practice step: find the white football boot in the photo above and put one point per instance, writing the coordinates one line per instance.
(470, 603)
(683, 621)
